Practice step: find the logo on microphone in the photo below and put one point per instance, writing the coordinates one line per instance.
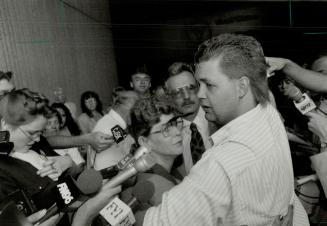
(65, 193)
(118, 133)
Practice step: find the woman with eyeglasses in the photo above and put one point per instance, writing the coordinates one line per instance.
(33, 171)
(155, 125)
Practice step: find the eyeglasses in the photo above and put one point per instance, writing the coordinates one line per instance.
(166, 128)
(30, 136)
(185, 91)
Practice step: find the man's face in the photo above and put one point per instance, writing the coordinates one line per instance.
(183, 88)
(218, 94)
(141, 83)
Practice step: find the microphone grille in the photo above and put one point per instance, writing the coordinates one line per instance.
(144, 163)
(294, 93)
(89, 181)
(143, 191)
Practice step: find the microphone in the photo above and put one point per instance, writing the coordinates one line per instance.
(118, 133)
(130, 159)
(68, 191)
(127, 161)
(116, 212)
(141, 194)
(301, 100)
(142, 164)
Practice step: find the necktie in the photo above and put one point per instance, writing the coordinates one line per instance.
(197, 145)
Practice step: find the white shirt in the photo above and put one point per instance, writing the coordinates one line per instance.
(203, 127)
(116, 152)
(246, 178)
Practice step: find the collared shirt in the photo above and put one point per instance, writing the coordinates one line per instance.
(246, 178)
(202, 126)
(116, 152)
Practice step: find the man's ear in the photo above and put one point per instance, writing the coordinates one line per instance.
(131, 85)
(142, 141)
(243, 86)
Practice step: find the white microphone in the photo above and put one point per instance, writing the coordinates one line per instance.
(142, 164)
(301, 100)
(116, 212)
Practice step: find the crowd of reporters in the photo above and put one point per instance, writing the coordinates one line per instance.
(51, 146)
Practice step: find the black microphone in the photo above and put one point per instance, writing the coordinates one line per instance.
(68, 191)
(141, 194)
(118, 133)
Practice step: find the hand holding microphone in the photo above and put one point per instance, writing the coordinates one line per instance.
(301, 100)
(318, 125)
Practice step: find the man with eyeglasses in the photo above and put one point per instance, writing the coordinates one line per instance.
(182, 87)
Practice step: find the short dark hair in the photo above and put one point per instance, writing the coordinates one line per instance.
(179, 67)
(241, 55)
(87, 95)
(141, 70)
(146, 113)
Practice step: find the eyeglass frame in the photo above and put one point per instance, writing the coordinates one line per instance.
(192, 88)
(173, 122)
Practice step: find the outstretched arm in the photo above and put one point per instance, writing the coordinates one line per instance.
(312, 80)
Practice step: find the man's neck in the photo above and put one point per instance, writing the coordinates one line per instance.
(123, 112)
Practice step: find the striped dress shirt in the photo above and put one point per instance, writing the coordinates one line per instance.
(246, 178)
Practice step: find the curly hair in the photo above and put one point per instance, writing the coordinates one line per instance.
(87, 95)
(147, 112)
(24, 104)
(70, 122)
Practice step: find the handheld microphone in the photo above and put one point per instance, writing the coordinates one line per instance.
(68, 191)
(130, 159)
(127, 161)
(301, 100)
(116, 212)
(118, 133)
(142, 164)
(141, 194)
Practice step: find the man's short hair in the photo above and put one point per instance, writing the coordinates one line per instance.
(241, 55)
(179, 67)
(141, 70)
(6, 75)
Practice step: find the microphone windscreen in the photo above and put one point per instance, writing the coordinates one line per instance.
(143, 191)
(161, 185)
(293, 92)
(89, 181)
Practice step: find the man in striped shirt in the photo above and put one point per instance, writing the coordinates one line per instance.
(246, 178)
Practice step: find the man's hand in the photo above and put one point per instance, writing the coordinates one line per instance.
(55, 166)
(52, 221)
(318, 125)
(275, 64)
(100, 141)
(91, 208)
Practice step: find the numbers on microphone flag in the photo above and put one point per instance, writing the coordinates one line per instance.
(117, 213)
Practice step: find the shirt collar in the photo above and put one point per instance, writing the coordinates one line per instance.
(118, 118)
(233, 126)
